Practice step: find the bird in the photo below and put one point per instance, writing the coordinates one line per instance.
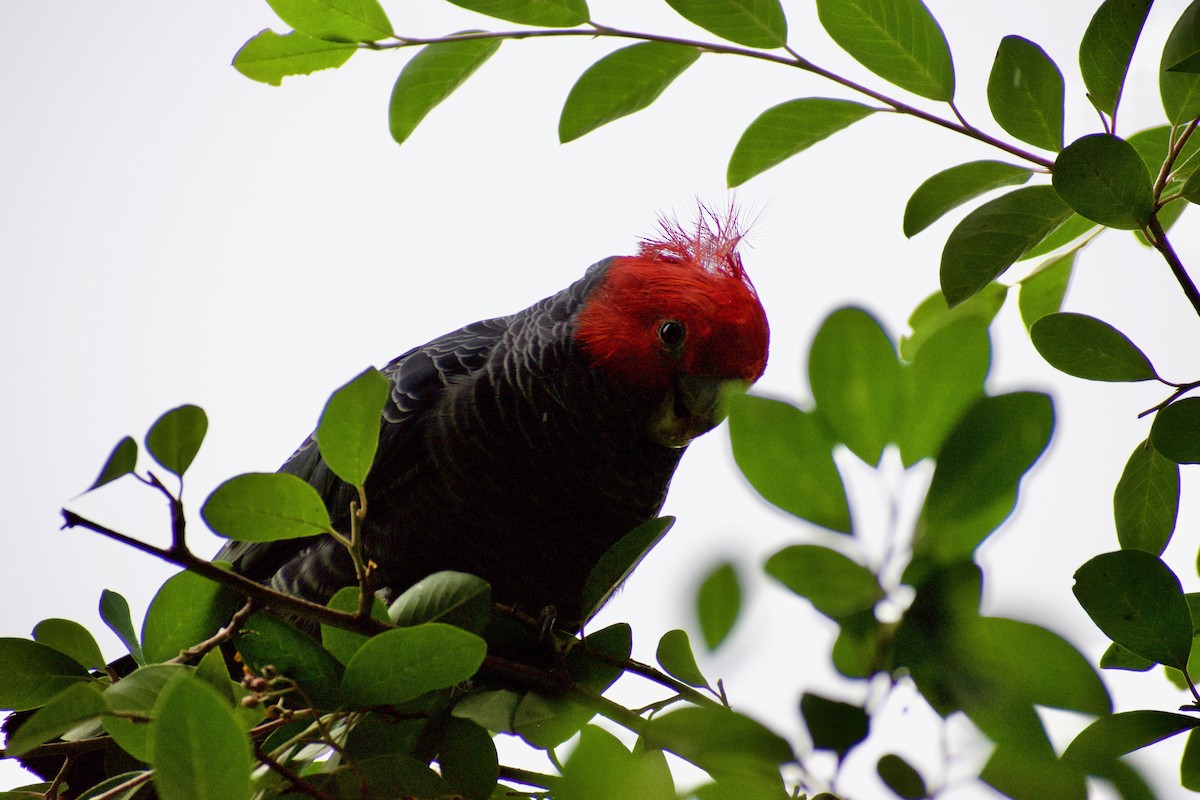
(521, 448)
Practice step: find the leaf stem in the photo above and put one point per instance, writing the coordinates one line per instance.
(1159, 241)
(528, 777)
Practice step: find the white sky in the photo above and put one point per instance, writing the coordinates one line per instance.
(172, 232)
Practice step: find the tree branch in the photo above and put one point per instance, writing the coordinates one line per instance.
(1159, 241)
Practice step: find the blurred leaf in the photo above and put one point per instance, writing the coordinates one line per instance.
(454, 598)
(341, 643)
(1107, 48)
(1189, 765)
(901, 778)
(1180, 91)
(600, 768)
(269, 57)
(185, 611)
(121, 461)
(430, 77)
(467, 759)
(200, 752)
(1138, 602)
(1117, 734)
(71, 639)
(1024, 771)
(492, 710)
(934, 313)
(784, 130)
(1073, 228)
(542, 13)
(1104, 179)
(137, 693)
(719, 741)
(787, 456)
(718, 603)
(624, 81)
(751, 23)
(861, 645)
(1042, 292)
(855, 381)
(675, 655)
(1025, 93)
(336, 20)
(381, 734)
(114, 610)
(952, 187)
(993, 236)
(392, 775)
(348, 433)
(741, 787)
(267, 640)
(1146, 501)
(619, 561)
(397, 666)
(1089, 348)
(836, 586)
(32, 673)
(898, 40)
(1176, 431)
(174, 439)
(832, 724)
(264, 507)
(77, 703)
(1117, 657)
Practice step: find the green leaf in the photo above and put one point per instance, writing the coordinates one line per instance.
(71, 639)
(492, 710)
(430, 77)
(1089, 348)
(934, 313)
(138, 693)
(898, 40)
(1137, 601)
(1180, 91)
(861, 646)
(832, 724)
(1104, 179)
(1176, 431)
(751, 23)
(200, 752)
(468, 759)
(348, 433)
(393, 775)
(32, 673)
(1107, 48)
(77, 703)
(454, 598)
(1025, 93)
(1118, 734)
(1117, 657)
(397, 666)
(787, 456)
(718, 603)
(185, 611)
(600, 768)
(174, 439)
(108, 785)
(341, 643)
(1191, 188)
(1043, 290)
(901, 777)
(675, 655)
(269, 57)
(1029, 770)
(719, 741)
(336, 20)
(992, 237)
(542, 13)
(624, 81)
(268, 640)
(952, 187)
(264, 507)
(1073, 228)
(1146, 501)
(121, 461)
(619, 561)
(784, 130)
(837, 586)
(855, 380)
(114, 610)
(1189, 765)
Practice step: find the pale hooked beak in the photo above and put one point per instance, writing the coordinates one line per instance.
(694, 405)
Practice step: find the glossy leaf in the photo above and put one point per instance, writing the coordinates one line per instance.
(185, 611)
(174, 439)
(341, 643)
(619, 562)
(952, 187)
(1146, 501)
(467, 759)
(265, 507)
(1180, 91)
(719, 741)
(348, 433)
(836, 586)
(1176, 431)
(674, 655)
(121, 461)
(269, 57)
(1104, 179)
(993, 236)
(621, 83)
(138, 694)
(32, 673)
(71, 639)
(898, 40)
(1073, 228)
(1089, 348)
(430, 77)
(454, 598)
(787, 456)
(114, 610)
(832, 724)
(77, 703)
(901, 777)
(1107, 48)
(543, 13)
(1044, 290)
(200, 752)
(336, 20)
(1118, 734)
(267, 640)
(398, 666)
(1025, 93)
(784, 130)
(934, 313)
(1137, 601)
(718, 603)
(751, 23)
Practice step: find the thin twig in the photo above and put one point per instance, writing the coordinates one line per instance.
(528, 777)
(121, 788)
(220, 637)
(294, 780)
(1158, 240)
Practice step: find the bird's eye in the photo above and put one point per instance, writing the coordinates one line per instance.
(671, 333)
